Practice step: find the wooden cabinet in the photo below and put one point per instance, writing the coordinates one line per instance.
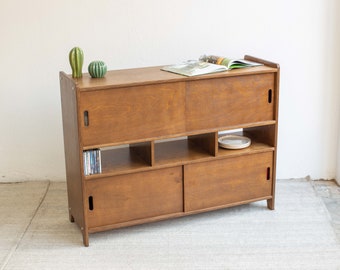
(158, 137)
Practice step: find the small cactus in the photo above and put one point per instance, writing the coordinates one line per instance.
(76, 58)
(97, 69)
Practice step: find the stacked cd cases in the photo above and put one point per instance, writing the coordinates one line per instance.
(92, 161)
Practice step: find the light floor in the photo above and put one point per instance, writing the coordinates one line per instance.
(329, 191)
(303, 232)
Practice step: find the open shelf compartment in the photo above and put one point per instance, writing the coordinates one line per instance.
(181, 150)
(261, 140)
(125, 158)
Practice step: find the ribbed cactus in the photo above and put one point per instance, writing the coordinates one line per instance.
(97, 69)
(76, 58)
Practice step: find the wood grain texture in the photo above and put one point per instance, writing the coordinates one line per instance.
(154, 75)
(133, 113)
(227, 181)
(224, 102)
(135, 196)
(73, 154)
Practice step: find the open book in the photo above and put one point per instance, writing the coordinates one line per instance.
(240, 63)
(229, 63)
(208, 64)
(194, 68)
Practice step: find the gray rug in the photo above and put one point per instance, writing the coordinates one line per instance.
(297, 235)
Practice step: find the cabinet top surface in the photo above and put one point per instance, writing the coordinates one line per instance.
(154, 75)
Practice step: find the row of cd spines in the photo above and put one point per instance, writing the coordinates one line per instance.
(92, 161)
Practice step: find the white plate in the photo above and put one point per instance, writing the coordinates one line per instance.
(234, 142)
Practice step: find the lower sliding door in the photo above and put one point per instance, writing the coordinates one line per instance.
(227, 181)
(134, 196)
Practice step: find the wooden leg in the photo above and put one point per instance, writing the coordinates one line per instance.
(71, 217)
(270, 204)
(85, 237)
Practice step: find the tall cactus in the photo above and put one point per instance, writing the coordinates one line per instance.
(76, 58)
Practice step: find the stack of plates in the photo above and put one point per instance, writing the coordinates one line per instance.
(234, 142)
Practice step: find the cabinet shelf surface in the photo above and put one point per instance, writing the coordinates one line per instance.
(120, 160)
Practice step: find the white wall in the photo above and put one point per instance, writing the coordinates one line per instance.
(37, 35)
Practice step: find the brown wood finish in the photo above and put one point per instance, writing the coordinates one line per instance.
(158, 135)
(179, 151)
(133, 113)
(121, 160)
(206, 141)
(271, 202)
(145, 150)
(226, 181)
(135, 196)
(73, 157)
(154, 75)
(219, 103)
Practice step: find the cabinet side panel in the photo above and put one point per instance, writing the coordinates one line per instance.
(71, 148)
(271, 203)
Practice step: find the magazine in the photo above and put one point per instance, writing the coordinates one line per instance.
(240, 63)
(194, 68)
(229, 63)
(208, 64)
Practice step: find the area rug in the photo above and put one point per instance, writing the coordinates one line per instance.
(19, 202)
(296, 235)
